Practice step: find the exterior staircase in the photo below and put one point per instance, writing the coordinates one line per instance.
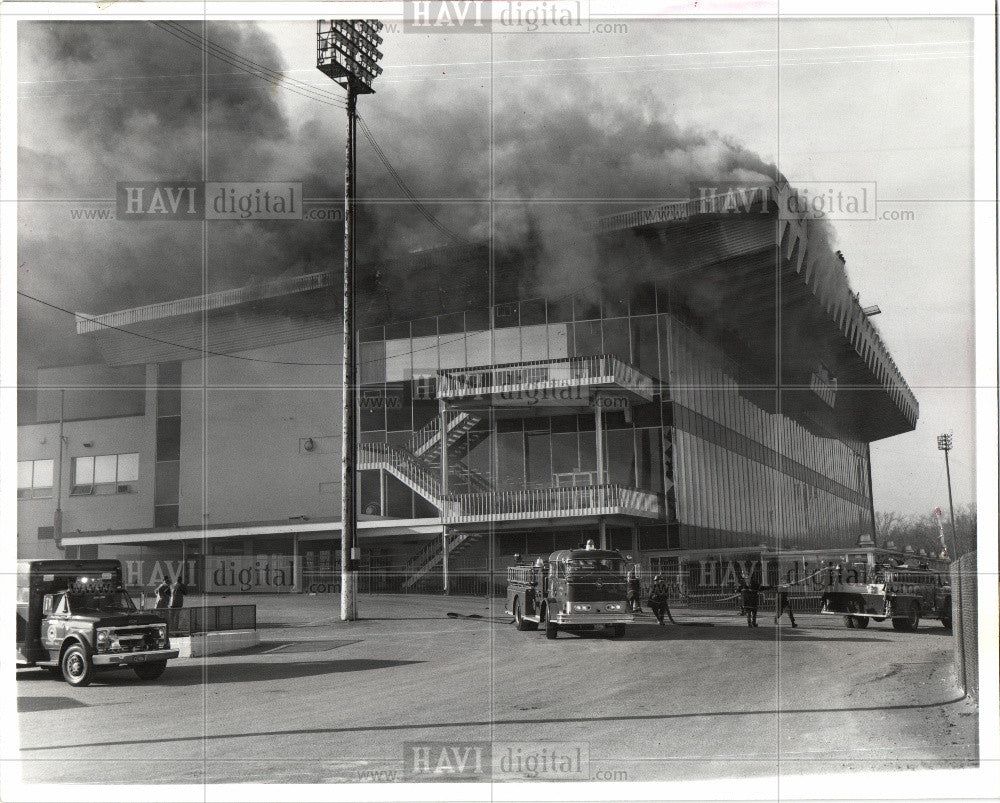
(418, 466)
(411, 471)
(432, 554)
(426, 442)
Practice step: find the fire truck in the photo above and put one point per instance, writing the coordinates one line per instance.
(572, 590)
(899, 593)
(74, 617)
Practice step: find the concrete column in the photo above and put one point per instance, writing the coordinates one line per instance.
(444, 450)
(442, 407)
(444, 559)
(599, 440)
(382, 493)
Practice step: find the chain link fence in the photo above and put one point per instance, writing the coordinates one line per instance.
(965, 620)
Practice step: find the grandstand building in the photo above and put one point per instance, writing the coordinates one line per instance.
(723, 401)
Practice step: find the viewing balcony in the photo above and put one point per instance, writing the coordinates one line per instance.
(552, 503)
(571, 382)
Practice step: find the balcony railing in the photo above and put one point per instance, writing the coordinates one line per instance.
(556, 380)
(545, 503)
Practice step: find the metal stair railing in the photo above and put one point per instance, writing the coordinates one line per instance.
(432, 554)
(403, 467)
(428, 437)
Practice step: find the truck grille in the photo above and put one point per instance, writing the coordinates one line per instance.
(138, 639)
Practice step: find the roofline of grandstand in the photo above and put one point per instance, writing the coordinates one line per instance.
(275, 288)
(840, 303)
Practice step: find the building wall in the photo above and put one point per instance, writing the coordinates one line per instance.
(244, 428)
(131, 434)
(745, 474)
(91, 391)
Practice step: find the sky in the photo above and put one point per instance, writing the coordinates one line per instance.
(600, 118)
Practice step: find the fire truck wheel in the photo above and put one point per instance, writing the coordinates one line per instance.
(77, 668)
(551, 629)
(150, 671)
(849, 622)
(861, 622)
(909, 622)
(520, 622)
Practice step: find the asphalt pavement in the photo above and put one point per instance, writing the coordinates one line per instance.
(421, 686)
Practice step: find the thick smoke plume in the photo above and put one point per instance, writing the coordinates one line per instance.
(112, 101)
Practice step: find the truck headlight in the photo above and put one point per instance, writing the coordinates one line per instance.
(613, 606)
(103, 638)
(161, 635)
(579, 607)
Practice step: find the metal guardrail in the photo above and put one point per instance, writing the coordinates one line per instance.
(579, 500)
(564, 372)
(207, 618)
(379, 455)
(224, 298)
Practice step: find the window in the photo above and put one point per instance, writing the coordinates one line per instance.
(34, 479)
(105, 474)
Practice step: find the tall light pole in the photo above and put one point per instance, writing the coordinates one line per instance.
(944, 444)
(347, 51)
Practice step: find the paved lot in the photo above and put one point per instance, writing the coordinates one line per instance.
(326, 701)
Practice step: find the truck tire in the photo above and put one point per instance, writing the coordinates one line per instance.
(946, 614)
(520, 622)
(77, 668)
(861, 622)
(150, 671)
(551, 629)
(908, 623)
(849, 622)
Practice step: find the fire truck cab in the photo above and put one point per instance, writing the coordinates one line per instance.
(572, 589)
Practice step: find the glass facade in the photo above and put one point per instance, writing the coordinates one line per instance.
(731, 469)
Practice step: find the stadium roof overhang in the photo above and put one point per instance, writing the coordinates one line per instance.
(756, 283)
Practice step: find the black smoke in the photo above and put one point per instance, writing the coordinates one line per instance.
(111, 101)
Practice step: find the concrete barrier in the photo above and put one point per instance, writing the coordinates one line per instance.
(214, 643)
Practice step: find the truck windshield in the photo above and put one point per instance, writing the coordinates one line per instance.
(113, 601)
(596, 565)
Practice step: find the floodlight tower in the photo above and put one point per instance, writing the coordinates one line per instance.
(944, 444)
(347, 51)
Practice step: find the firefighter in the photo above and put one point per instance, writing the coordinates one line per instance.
(659, 599)
(634, 594)
(162, 592)
(177, 592)
(749, 596)
(782, 604)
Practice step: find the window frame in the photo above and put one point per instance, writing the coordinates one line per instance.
(109, 488)
(40, 491)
